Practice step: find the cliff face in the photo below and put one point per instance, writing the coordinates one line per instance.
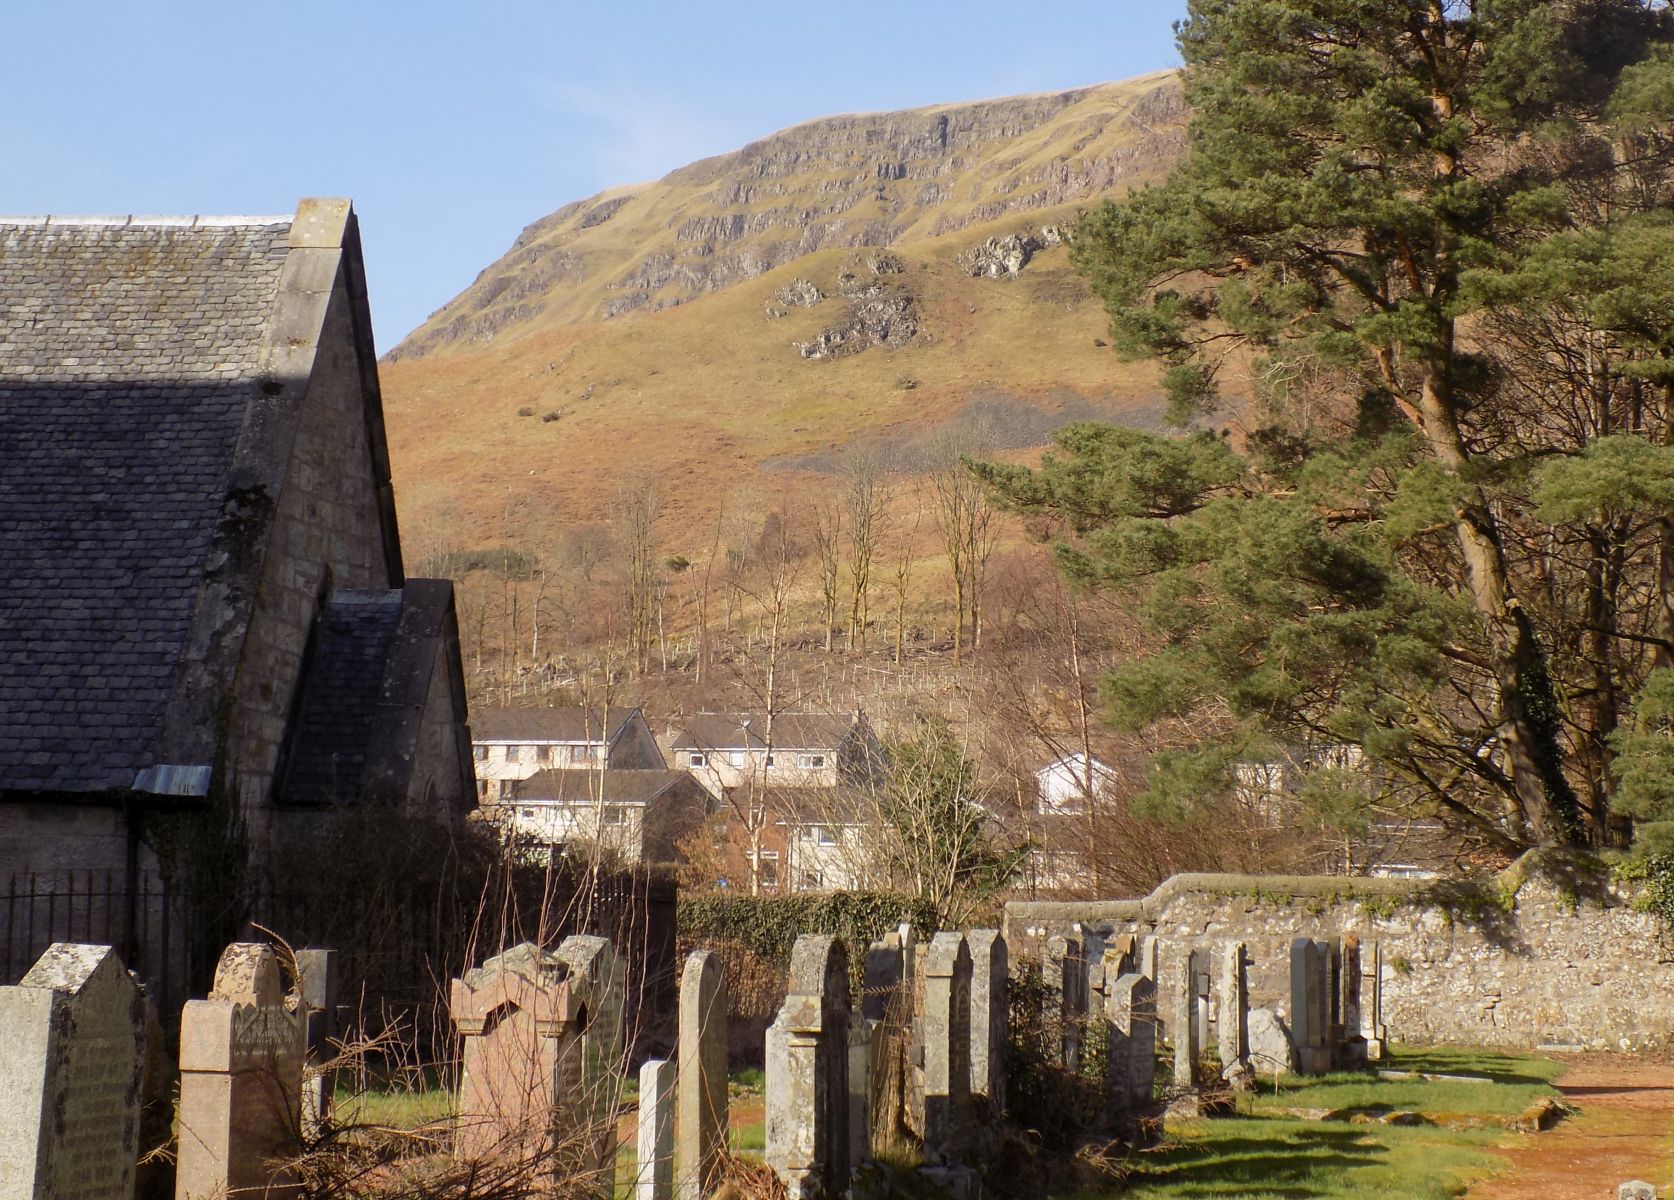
(872, 180)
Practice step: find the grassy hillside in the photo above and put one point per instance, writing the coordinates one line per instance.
(703, 385)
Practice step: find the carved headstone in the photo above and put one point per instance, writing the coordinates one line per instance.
(947, 1049)
(1184, 1026)
(990, 1017)
(1064, 972)
(317, 971)
(241, 1055)
(1234, 1018)
(654, 1160)
(1309, 1014)
(1271, 1050)
(1352, 1049)
(807, 1072)
(1375, 1032)
(72, 1049)
(597, 975)
(1132, 1013)
(703, 1075)
(862, 1034)
(520, 1018)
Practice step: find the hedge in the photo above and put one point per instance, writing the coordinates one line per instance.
(768, 925)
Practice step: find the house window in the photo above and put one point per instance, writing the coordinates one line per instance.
(526, 812)
(480, 753)
(697, 760)
(514, 753)
(768, 864)
(482, 789)
(769, 760)
(543, 754)
(823, 835)
(735, 758)
(812, 881)
(811, 762)
(615, 814)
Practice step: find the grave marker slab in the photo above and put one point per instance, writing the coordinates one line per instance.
(598, 978)
(72, 1051)
(807, 1072)
(654, 1160)
(1184, 1027)
(1132, 1014)
(947, 1049)
(990, 1017)
(702, 1124)
(1234, 1017)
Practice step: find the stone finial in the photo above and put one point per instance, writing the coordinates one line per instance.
(73, 1038)
(703, 1075)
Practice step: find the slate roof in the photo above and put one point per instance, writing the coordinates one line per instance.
(340, 696)
(128, 355)
(739, 731)
(561, 724)
(582, 786)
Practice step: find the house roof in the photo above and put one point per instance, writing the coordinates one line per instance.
(587, 787)
(842, 805)
(560, 724)
(741, 731)
(129, 354)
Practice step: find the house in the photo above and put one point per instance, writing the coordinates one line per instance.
(725, 751)
(1068, 782)
(827, 836)
(638, 814)
(512, 744)
(203, 610)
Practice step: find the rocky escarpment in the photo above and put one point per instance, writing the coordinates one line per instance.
(857, 181)
(1003, 257)
(881, 309)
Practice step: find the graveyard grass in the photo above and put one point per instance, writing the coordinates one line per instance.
(1271, 1150)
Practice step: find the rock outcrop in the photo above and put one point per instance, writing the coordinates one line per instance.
(1003, 257)
(881, 310)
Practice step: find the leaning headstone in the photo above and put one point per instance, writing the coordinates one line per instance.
(654, 1162)
(807, 1072)
(1308, 1013)
(317, 980)
(520, 1017)
(990, 978)
(598, 975)
(1132, 1013)
(1183, 999)
(947, 1049)
(703, 1075)
(72, 1049)
(241, 1055)
(1271, 1050)
(1233, 1018)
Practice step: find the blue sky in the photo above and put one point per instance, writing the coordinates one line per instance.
(454, 125)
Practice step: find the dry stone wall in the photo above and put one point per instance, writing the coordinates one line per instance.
(1541, 954)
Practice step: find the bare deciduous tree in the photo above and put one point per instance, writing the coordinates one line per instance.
(866, 496)
(636, 509)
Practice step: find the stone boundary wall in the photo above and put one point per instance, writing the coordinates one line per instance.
(1543, 953)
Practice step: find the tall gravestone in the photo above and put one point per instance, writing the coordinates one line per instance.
(1375, 1032)
(947, 1049)
(1131, 1010)
(807, 1072)
(72, 1050)
(1182, 1004)
(317, 981)
(600, 975)
(1202, 1011)
(654, 1137)
(1064, 973)
(702, 1086)
(1309, 1014)
(990, 1017)
(241, 1054)
(862, 1034)
(1234, 1018)
(520, 1017)
(1352, 1048)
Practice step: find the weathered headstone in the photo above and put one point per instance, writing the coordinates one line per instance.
(1148, 957)
(883, 976)
(1233, 1021)
(807, 1072)
(241, 1055)
(862, 1033)
(1202, 1011)
(990, 1017)
(654, 1162)
(598, 975)
(1126, 946)
(1132, 1013)
(1271, 1049)
(1372, 1027)
(1064, 972)
(1184, 1028)
(72, 1049)
(1308, 1011)
(1352, 1049)
(703, 1075)
(947, 1049)
(317, 981)
(520, 1017)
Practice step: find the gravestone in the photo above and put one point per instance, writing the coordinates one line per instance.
(1352, 1049)
(807, 1072)
(1308, 1011)
(72, 1050)
(1202, 1013)
(1271, 1050)
(1233, 1020)
(703, 1075)
(520, 1016)
(241, 1054)
(947, 1049)
(1131, 1010)
(881, 980)
(317, 981)
(990, 1018)
(862, 1033)
(1148, 957)
(1334, 1035)
(598, 975)
(654, 1160)
(1126, 946)
(1375, 1032)
(1064, 972)
(1183, 1000)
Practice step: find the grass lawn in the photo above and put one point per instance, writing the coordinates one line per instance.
(1268, 1152)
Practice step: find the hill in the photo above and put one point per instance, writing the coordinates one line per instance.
(853, 278)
